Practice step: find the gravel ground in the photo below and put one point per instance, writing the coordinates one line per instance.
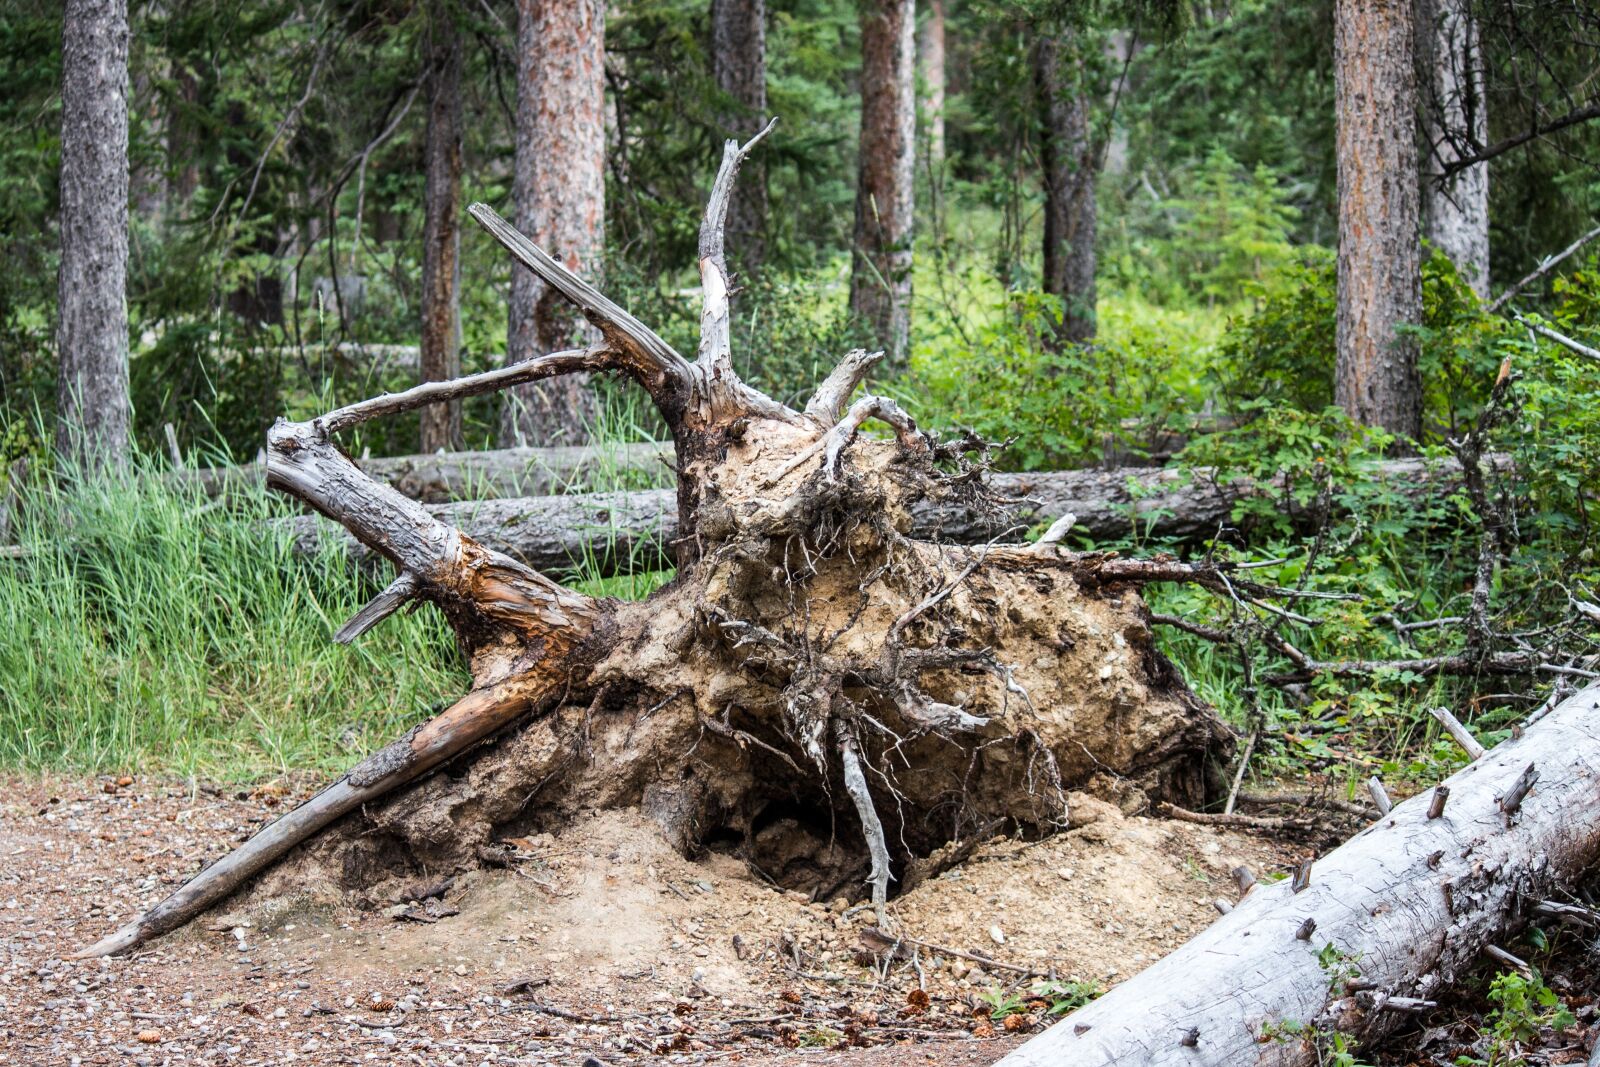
(598, 942)
(82, 856)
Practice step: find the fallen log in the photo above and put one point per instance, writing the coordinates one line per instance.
(632, 531)
(1399, 911)
(444, 476)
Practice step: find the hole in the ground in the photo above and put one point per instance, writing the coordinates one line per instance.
(797, 845)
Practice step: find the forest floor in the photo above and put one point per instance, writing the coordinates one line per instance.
(600, 942)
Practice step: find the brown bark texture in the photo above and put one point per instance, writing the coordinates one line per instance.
(880, 276)
(558, 186)
(92, 405)
(814, 662)
(1067, 156)
(441, 229)
(739, 65)
(1379, 269)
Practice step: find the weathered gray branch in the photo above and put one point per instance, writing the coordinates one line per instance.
(1410, 903)
(469, 720)
(1550, 263)
(655, 363)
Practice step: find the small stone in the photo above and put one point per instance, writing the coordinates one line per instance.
(997, 935)
(1065, 873)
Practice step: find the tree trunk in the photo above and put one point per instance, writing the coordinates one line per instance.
(441, 228)
(739, 64)
(1379, 273)
(1455, 210)
(880, 275)
(811, 654)
(92, 406)
(930, 58)
(183, 145)
(1406, 907)
(559, 190)
(1067, 155)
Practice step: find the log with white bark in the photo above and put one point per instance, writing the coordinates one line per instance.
(439, 477)
(1408, 905)
(631, 531)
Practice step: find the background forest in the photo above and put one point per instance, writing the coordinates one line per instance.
(1108, 234)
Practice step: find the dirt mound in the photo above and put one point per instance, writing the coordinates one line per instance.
(601, 938)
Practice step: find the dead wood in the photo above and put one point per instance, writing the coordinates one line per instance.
(616, 532)
(819, 688)
(1406, 905)
(439, 477)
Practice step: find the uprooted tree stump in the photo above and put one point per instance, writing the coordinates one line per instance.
(812, 667)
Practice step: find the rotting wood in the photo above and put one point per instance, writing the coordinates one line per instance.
(1410, 902)
(1106, 505)
(875, 670)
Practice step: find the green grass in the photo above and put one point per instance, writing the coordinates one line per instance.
(146, 627)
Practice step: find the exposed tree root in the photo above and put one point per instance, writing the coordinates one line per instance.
(817, 689)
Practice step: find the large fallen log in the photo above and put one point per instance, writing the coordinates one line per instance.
(502, 472)
(619, 532)
(1388, 919)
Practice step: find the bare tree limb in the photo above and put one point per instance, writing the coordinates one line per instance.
(827, 405)
(1549, 264)
(1571, 118)
(1561, 339)
(571, 361)
(656, 364)
(716, 349)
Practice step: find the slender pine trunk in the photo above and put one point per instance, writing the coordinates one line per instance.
(441, 239)
(1380, 284)
(1067, 154)
(930, 58)
(1455, 210)
(880, 279)
(739, 64)
(92, 404)
(559, 189)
